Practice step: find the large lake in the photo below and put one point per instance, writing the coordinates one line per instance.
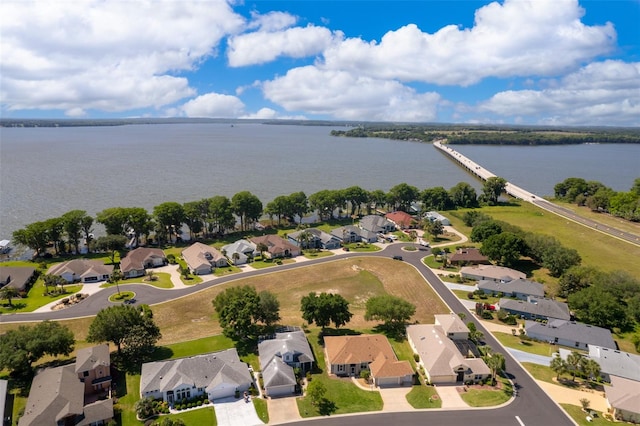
(45, 172)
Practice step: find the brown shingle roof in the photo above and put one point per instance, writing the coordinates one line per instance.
(357, 349)
(135, 259)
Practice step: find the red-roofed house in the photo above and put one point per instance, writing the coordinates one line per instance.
(402, 220)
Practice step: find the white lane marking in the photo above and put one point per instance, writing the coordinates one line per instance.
(519, 421)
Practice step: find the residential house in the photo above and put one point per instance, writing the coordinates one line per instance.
(468, 256)
(93, 367)
(401, 220)
(279, 356)
(349, 355)
(352, 234)
(616, 363)
(445, 352)
(433, 216)
(58, 395)
(5, 246)
(136, 262)
(623, 398)
(317, 239)
(202, 259)
(243, 250)
(491, 272)
(16, 277)
(536, 308)
(520, 289)
(217, 375)
(570, 333)
(83, 270)
(376, 224)
(277, 247)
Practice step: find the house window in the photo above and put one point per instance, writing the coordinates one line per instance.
(577, 344)
(341, 367)
(85, 373)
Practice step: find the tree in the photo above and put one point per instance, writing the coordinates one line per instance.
(269, 312)
(8, 293)
(585, 403)
(278, 207)
(495, 361)
(238, 311)
(55, 229)
(86, 223)
(356, 197)
(261, 247)
(34, 235)
(72, 222)
(114, 220)
(475, 335)
(492, 188)
(21, 347)
(324, 309)
(402, 195)
(220, 214)
(122, 325)
(558, 365)
(436, 199)
(111, 243)
(596, 305)
(115, 278)
(247, 207)
(484, 230)
(170, 217)
(392, 310)
(591, 368)
(325, 202)
(316, 392)
(463, 195)
(145, 408)
(378, 198)
(473, 218)
(573, 363)
(505, 248)
(53, 281)
(434, 228)
(558, 259)
(193, 217)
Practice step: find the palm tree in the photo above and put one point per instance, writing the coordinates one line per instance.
(116, 276)
(495, 362)
(235, 256)
(591, 368)
(573, 362)
(558, 365)
(8, 292)
(262, 247)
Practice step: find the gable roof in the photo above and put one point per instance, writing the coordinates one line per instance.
(89, 358)
(137, 258)
(294, 342)
(275, 244)
(317, 234)
(575, 331)
(400, 218)
(81, 268)
(198, 255)
(374, 223)
(278, 373)
(16, 277)
(55, 393)
(202, 371)
(616, 363)
(468, 254)
(451, 323)
(624, 394)
(493, 272)
(531, 288)
(241, 246)
(540, 307)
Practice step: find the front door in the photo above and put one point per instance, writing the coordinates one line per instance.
(170, 398)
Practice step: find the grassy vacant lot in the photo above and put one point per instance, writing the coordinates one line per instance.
(538, 348)
(607, 219)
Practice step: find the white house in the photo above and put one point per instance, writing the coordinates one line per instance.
(83, 270)
(243, 250)
(201, 258)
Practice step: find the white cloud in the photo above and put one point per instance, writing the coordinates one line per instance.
(345, 96)
(272, 21)
(214, 105)
(601, 93)
(515, 38)
(106, 55)
(265, 46)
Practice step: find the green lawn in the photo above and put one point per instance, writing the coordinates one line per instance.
(317, 254)
(36, 298)
(201, 416)
(422, 396)
(121, 297)
(261, 264)
(362, 247)
(261, 409)
(462, 294)
(580, 417)
(538, 348)
(488, 397)
(128, 393)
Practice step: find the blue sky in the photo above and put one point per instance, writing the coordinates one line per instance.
(547, 62)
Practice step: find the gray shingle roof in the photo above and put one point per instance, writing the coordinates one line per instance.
(540, 307)
(571, 330)
(90, 358)
(16, 277)
(277, 373)
(516, 286)
(294, 342)
(616, 363)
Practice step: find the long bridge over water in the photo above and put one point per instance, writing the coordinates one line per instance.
(520, 193)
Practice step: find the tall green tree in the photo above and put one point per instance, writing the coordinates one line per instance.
(112, 243)
(324, 309)
(558, 365)
(8, 293)
(493, 188)
(393, 311)
(325, 202)
(436, 198)
(269, 311)
(558, 259)
(484, 230)
(597, 306)
(402, 195)
(220, 214)
(55, 229)
(247, 207)
(72, 222)
(574, 359)
(114, 220)
(434, 228)
(34, 235)
(21, 347)
(170, 217)
(505, 248)
(241, 308)
(463, 195)
(356, 197)
(299, 205)
(496, 362)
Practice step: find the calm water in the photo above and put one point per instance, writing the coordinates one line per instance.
(45, 172)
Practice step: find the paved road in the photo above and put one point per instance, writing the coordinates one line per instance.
(515, 191)
(532, 407)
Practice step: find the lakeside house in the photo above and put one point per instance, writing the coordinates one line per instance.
(215, 375)
(317, 239)
(17, 277)
(433, 216)
(277, 247)
(202, 259)
(401, 220)
(349, 355)
(376, 224)
(353, 234)
(137, 261)
(77, 394)
(570, 333)
(520, 289)
(491, 272)
(445, 352)
(83, 270)
(278, 358)
(242, 249)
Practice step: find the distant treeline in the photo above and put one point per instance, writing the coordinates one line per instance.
(495, 135)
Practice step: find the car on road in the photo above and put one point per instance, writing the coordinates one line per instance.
(397, 257)
(130, 301)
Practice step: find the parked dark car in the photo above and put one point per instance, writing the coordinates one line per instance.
(397, 257)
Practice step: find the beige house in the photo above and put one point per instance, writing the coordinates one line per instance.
(349, 355)
(623, 398)
(202, 259)
(277, 247)
(83, 270)
(93, 367)
(136, 262)
(445, 351)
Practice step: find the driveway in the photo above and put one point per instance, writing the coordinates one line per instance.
(450, 396)
(395, 399)
(236, 412)
(282, 410)
(523, 356)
